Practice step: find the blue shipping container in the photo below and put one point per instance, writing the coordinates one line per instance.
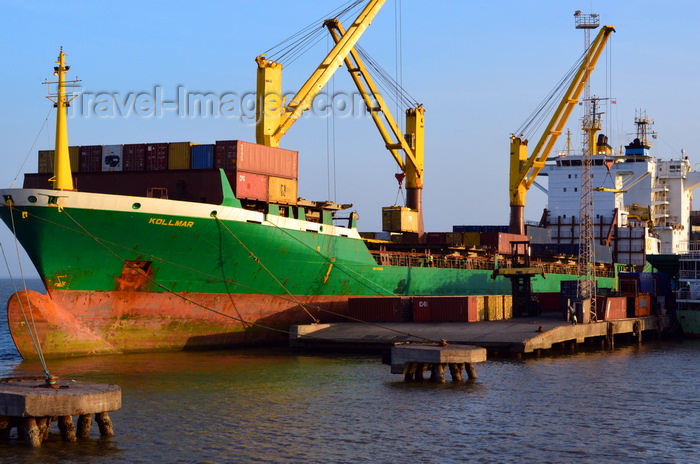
(202, 156)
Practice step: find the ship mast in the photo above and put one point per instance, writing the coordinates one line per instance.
(62, 176)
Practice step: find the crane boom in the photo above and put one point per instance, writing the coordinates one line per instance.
(411, 143)
(524, 169)
(274, 115)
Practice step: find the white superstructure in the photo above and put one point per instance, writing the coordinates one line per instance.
(641, 203)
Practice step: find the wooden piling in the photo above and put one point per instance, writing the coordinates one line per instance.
(471, 371)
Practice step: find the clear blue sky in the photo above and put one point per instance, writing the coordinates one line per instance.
(478, 67)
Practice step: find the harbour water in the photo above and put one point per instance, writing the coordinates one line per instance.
(634, 404)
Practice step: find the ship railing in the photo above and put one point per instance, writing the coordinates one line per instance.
(384, 258)
(689, 248)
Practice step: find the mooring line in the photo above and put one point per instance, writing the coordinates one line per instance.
(359, 277)
(257, 260)
(33, 332)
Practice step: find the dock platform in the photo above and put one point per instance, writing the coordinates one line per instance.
(30, 405)
(514, 336)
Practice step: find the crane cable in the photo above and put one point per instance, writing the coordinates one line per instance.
(544, 110)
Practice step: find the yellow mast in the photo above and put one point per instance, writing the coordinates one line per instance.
(62, 175)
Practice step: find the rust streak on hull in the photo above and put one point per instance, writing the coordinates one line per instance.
(74, 323)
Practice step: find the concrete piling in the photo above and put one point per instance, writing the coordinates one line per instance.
(30, 405)
(413, 360)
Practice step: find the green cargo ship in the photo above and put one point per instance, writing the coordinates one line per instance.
(138, 274)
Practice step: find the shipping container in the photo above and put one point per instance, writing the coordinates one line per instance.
(481, 307)
(74, 155)
(550, 301)
(436, 237)
(202, 156)
(508, 307)
(282, 191)
(399, 219)
(251, 186)
(156, 156)
(201, 185)
(445, 309)
(494, 308)
(480, 229)
(45, 161)
(134, 157)
(611, 307)
(179, 155)
(91, 158)
(111, 158)
(638, 306)
(256, 158)
(225, 152)
(500, 242)
(379, 309)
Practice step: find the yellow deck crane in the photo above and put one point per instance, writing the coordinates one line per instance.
(275, 116)
(524, 169)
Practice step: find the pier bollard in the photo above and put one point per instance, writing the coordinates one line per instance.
(65, 425)
(30, 431)
(471, 371)
(105, 424)
(84, 423)
(456, 371)
(437, 373)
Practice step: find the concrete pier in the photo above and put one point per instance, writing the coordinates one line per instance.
(30, 405)
(412, 360)
(519, 336)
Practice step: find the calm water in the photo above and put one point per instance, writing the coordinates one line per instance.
(633, 405)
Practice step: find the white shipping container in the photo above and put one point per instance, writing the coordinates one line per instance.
(112, 158)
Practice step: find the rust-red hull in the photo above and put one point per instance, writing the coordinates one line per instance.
(76, 323)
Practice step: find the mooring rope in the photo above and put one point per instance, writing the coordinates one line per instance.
(358, 277)
(260, 263)
(31, 327)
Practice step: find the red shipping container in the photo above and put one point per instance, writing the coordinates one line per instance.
(91, 158)
(499, 242)
(134, 157)
(611, 307)
(376, 309)
(156, 156)
(444, 309)
(253, 157)
(250, 186)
